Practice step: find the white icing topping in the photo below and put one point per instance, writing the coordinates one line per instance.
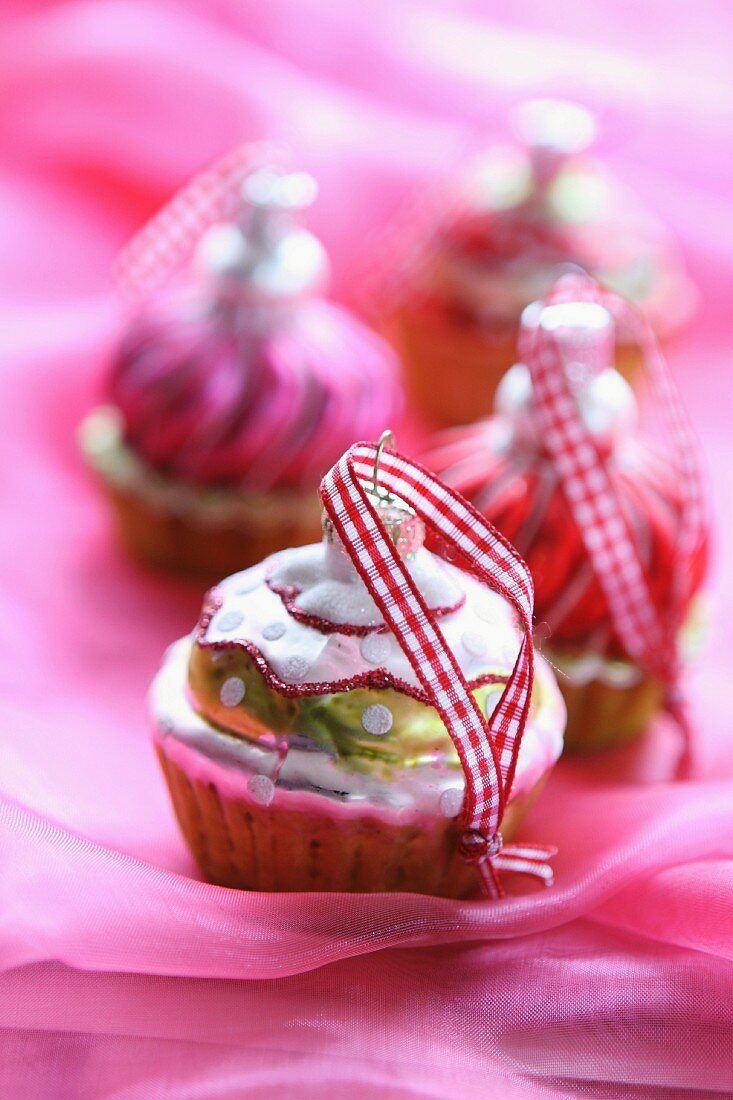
(294, 668)
(304, 654)
(250, 580)
(331, 589)
(474, 643)
(414, 788)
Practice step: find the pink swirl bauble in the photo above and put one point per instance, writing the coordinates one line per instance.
(215, 394)
(245, 377)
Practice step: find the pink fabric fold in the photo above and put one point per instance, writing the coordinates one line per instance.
(123, 975)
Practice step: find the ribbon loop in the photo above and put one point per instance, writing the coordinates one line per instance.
(527, 859)
(487, 748)
(647, 633)
(167, 239)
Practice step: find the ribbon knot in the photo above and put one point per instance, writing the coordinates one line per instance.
(490, 856)
(474, 847)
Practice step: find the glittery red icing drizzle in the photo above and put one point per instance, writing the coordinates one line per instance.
(379, 678)
(289, 594)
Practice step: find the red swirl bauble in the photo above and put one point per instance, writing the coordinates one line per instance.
(517, 490)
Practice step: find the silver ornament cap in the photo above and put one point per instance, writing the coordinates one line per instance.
(584, 332)
(552, 130)
(265, 255)
(403, 526)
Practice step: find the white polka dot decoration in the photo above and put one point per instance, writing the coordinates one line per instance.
(272, 631)
(480, 632)
(377, 720)
(261, 789)
(474, 643)
(232, 692)
(376, 648)
(229, 620)
(295, 669)
(451, 802)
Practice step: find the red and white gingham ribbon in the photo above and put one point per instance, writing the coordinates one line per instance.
(166, 241)
(487, 749)
(648, 634)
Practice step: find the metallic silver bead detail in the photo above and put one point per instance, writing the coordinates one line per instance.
(272, 631)
(232, 692)
(404, 528)
(376, 648)
(377, 720)
(261, 789)
(451, 802)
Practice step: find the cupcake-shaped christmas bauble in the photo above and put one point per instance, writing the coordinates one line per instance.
(610, 525)
(231, 394)
(359, 714)
(520, 214)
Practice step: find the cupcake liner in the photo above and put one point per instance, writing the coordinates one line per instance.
(310, 844)
(452, 367)
(188, 529)
(178, 543)
(629, 361)
(603, 716)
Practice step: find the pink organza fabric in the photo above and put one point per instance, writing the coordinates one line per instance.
(121, 974)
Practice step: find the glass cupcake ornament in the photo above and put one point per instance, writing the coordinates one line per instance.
(232, 391)
(521, 213)
(358, 714)
(612, 527)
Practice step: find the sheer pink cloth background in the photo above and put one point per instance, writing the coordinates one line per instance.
(122, 975)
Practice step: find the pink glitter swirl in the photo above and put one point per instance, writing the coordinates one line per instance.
(209, 398)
